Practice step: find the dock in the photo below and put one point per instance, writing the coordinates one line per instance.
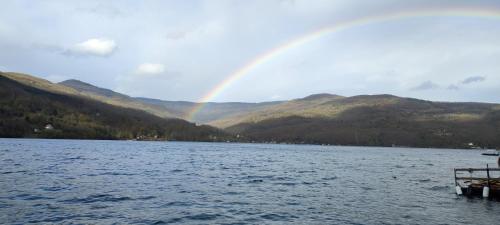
(482, 182)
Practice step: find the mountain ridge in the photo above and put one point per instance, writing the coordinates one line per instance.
(28, 111)
(83, 86)
(388, 121)
(374, 120)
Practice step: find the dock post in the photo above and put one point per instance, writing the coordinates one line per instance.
(458, 189)
(486, 189)
(488, 175)
(456, 183)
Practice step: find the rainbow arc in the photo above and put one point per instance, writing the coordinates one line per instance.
(487, 13)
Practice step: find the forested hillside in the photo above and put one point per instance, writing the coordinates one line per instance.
(378, 120)
(28, 111)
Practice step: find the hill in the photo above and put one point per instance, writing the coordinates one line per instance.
(310, 106)
(375, 120)
(88, 88)
(33, 107)
(79, 88)
(115, 98)
(80, 110)
(211, 111)
(168, 109)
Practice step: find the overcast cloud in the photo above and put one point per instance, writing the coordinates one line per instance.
(474, 79)
(180, 50)
(427, 85)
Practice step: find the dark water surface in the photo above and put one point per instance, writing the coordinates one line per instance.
(105, 182)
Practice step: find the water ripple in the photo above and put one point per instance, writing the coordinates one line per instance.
(97, 198)
(120, 182)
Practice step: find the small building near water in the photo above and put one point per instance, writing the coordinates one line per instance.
(49, 127)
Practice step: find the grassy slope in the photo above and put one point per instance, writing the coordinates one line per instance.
(29, 104)
(311, 106)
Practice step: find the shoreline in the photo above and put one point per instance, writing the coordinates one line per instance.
(248, 142)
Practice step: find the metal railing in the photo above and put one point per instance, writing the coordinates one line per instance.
(487, 177)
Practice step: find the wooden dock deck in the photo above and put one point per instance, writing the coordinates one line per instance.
(472, 182)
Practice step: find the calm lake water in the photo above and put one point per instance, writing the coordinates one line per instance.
(105, 182)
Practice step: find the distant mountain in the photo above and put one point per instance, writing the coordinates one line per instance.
(33, 107)
(322, 96)
(375, 120)
(167, 109)
(80, 110)
(211, 111)
(310, 106)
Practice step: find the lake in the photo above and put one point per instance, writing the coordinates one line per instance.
(105, 182)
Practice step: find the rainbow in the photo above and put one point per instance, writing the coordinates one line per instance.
(489, 13)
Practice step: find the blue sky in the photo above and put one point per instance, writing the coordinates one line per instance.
(180, 50)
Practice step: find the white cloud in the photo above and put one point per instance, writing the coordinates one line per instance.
(94, 46)
(150, 69)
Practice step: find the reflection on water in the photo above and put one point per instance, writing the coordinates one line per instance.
(62, 181)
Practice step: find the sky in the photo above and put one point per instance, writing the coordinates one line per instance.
(183, 50)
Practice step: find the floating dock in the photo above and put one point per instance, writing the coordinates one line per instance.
(483, 182)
